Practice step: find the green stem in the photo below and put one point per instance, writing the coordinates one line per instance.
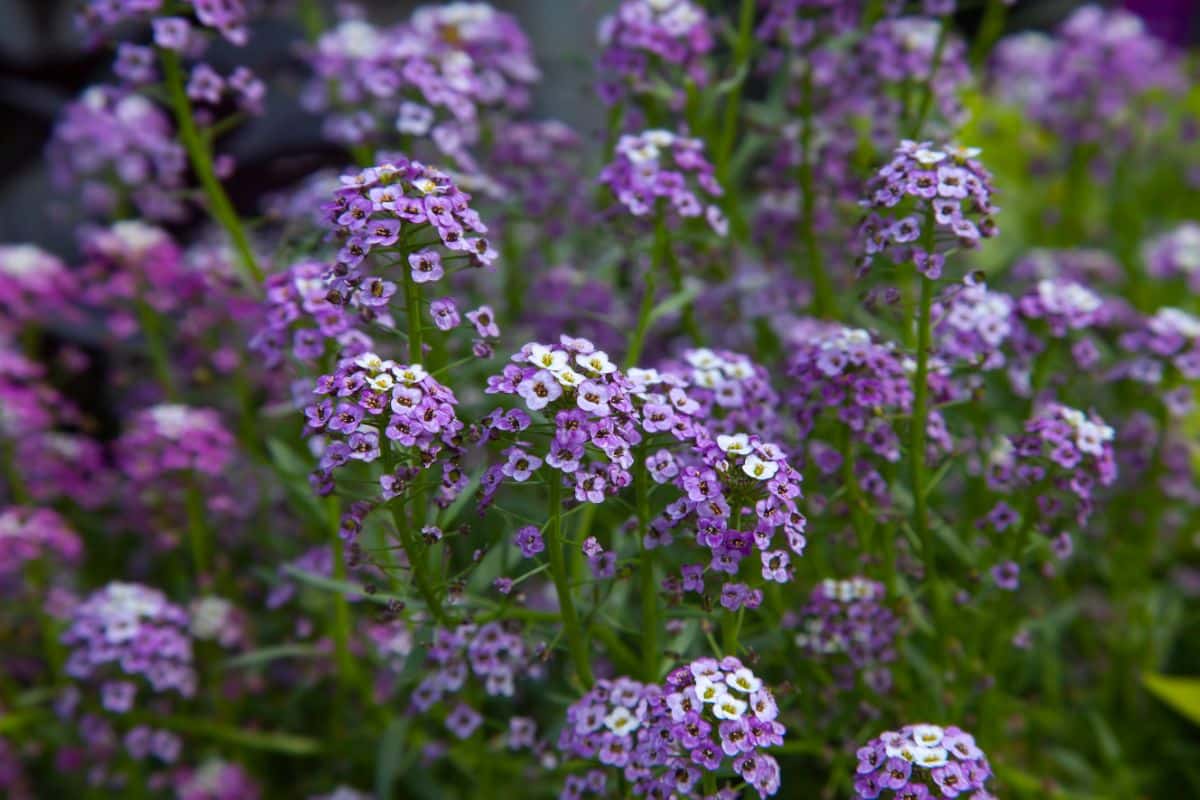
(201, 160)
(989, 30)
(927, 87)
(412, 299)
(416, 563)
(664, 259)
(576, 641)
(920, 416)
(340, 618)
(650, 622)
(151, 324)
(638, 340)
(733, 103)
(823, 303)
(197, 529)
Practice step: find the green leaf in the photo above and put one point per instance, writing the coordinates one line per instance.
(1181, 694)
(285, 743)
(389, 760)
(265, 655)
(674, 303)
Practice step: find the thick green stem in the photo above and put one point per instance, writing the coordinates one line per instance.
(576, 641)
(412, 299)
(649, 589)
(733, 102)
(416, 563)
(197, 529)
(638, 340)
(927, 87)
(340, 618)
(823, 303)
(151, 324)
(201, 160)
(920, 415)
(989, 30)
(664, 259)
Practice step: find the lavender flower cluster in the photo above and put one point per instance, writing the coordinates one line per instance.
(798, 445)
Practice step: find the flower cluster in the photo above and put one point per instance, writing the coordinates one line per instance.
(845, 370)
(718, 710)
(1061, 448)
(34, 286)
(299, 295)
(110, 147)
(739, 492)
(492, 653)
(731, 391)
(1085, 83)
(922, 762)
(664, 738)
(651, 42)
(216, 780)
(655, 165)
(385, 209)
(1166, 349)
(609, 723)
(429, 77)
(1063, 306)
(99, 18)
(28, 534)
(127, 631)
(923, 193)
(215, 619)
(590, 402)
(167, 439)
(797, 24)
(848, 618)
(902, 51)
(972, 324)
(1176, 254)
(367, 398)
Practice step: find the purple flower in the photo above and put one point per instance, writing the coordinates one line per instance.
(529, 540)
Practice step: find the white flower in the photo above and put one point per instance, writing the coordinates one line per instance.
(659, 137)
(413, 373)
(620, 721)
(547, 358)
(758, 469)
(707, 378)
(709, 691)
(738, 443)
(596, 362)
(744, 681)
(382, 382)
(703, 358)
(643, 377)
(1090, 437)
(927, 735)
(425, 185)
(370, 362)
(729, 707)
(929, 157)
(568, 377)
(930, 756)
(963, 153)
